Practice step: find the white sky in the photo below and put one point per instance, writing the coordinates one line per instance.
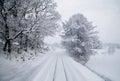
(105, 14)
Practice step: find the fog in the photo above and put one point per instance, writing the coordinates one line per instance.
(105, 14)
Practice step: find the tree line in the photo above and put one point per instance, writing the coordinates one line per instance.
(25, 23)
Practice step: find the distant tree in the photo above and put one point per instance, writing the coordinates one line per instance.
(80, 38)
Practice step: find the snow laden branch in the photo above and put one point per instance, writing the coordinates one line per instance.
(27, 22)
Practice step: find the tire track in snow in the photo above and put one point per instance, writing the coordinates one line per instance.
(86, 73)
(51, 71)
(59, 71)
(71, 70)
(64, 69)
(28, 75)
(46, 73)
(55, 69)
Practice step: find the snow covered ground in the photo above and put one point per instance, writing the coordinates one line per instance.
(106, 64)
(54, 66)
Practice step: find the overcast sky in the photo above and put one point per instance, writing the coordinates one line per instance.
(105, 14)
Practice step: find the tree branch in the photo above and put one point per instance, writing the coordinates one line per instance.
(12, 5)
(14, 37)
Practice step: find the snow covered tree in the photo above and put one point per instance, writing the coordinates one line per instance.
(26, 22)
(7, 9)
(80, 38)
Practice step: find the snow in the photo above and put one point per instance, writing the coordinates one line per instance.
(79, 72)
(106, 64)
(54, 66)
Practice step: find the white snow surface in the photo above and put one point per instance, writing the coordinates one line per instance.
(54, 66)
(105, 64)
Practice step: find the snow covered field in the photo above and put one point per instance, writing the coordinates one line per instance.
(55, 66)
(107, 65)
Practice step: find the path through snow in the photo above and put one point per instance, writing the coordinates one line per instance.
(57, 66)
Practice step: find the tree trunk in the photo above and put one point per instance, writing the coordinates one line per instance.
(20, 44)
(26, 43)
(21, 36)
(7, 46)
